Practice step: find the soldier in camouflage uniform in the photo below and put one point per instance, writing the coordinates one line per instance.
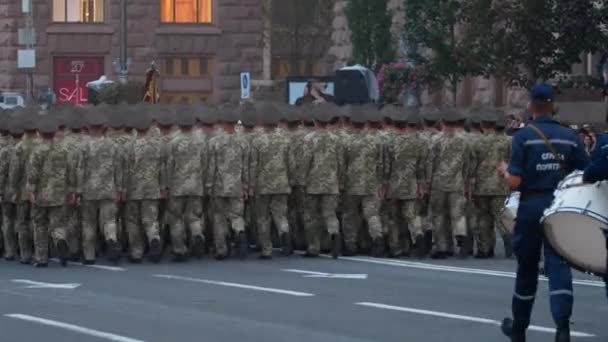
(16, 187)
(74, 141)
(249, 131)
(163, 128)
(228, 180)
(7, 142)
(146, 185)
(405, 167)
(448, 170)
(300, 124)
(48, 188)
(206, 121)
(430, 133)
(270, 175)
(323, 162)
(186, 167)
(100, 188)
(363, 172)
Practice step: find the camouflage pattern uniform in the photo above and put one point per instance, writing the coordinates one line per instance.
(490, 191)
(428, 136)
(323, 162)
(8, 209)
(74, 143)
(228, 179)
(100, 183)
(47, 178)
(405, 166)
(186, 168)
(448, 171)
(298, 181)
(363, 174)
(17, 195)
(145, 182)
(270, 174)
(249, 212)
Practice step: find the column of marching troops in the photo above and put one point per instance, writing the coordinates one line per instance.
(78, 183)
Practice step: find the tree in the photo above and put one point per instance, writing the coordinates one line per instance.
(440, 40)
(298, 31)
(536, 39)
(370, 25)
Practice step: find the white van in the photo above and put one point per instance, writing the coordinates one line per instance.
(11, 100)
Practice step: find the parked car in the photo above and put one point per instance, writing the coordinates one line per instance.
(11, 100)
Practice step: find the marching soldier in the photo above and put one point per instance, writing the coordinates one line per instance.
(270, 181)
(9, 134)
(363, 172)
(449, 160)
(100, 187)
(405, 167)
(187, 163)
(228, 181)
(48, 189)
(146, 186)
(323, 162)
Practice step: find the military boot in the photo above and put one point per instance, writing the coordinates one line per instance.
(507, 329)
(336, 245)
(428, 242)
(156, 251)
(287, 244)
(62, 251)
(198, 246)
(378, 247)
(508, 248)
(113, 250)
(242, 245)
(419, 246)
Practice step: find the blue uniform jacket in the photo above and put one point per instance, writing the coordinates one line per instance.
(538, 167)
(598, 169)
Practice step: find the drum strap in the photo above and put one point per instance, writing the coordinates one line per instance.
(550, 147)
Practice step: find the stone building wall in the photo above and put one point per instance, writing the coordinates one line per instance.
(231, 42)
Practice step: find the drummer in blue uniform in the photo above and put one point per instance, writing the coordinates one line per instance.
(542, 154)
(598, 171)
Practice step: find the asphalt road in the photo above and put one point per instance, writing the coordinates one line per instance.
(348, 300)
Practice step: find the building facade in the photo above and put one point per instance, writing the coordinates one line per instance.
(200, 46)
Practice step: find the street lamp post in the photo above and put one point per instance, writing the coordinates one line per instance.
(123, 63)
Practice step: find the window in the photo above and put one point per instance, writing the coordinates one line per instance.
(185, 98)
(186, 67)
(301, 66)
(78, 11)
(185, 11)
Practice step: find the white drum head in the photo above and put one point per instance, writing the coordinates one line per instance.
(579, 239)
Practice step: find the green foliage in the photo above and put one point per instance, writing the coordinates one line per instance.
(131, 93)
(370, 25)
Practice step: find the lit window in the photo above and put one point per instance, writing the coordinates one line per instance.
(78, 11)
(186, 67)
(185, 98)
(185, 11)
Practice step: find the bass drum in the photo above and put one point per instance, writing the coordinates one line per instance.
(575, 222)
(509, 212)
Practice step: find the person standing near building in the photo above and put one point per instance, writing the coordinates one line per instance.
(543, 153)
(10, 133)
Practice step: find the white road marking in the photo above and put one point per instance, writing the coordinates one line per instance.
(235, 285)
(99, 267)
(462, 317)
(41, 285)
(432, 267)
(314, 274)
(73, 327)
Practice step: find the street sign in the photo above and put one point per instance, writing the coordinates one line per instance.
(26, 58)
(314, 274)
(245, 86)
